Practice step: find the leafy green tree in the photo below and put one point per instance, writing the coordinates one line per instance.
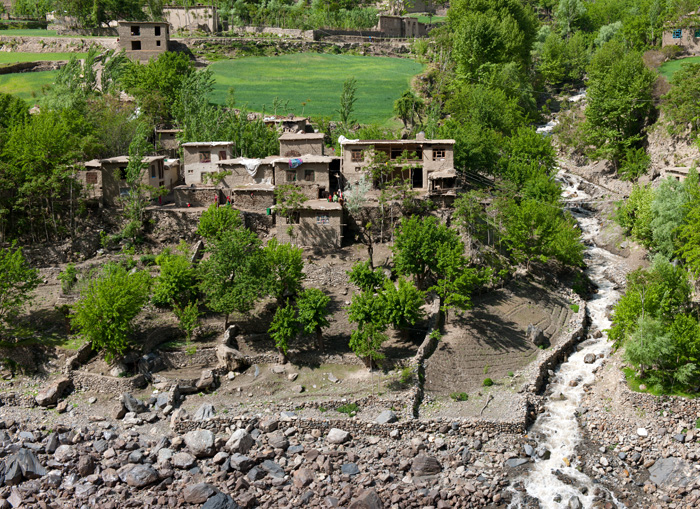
(313, 312)
(403, 303)
(527, 155)
(668, 210)
(188, 317)
(95, 13)
(553, 59)
(366, 278)
(13, 111)
(355, 199)
(456, 280)
(634, 214)
(176, 282)
(285, 269)
(347, 101)
(105, 313)
(283, 329)
(370, 315)
(408, 108)
(17, 283)
(682, 103)
(619, 100)
(689, 232)
(216, 220)
(139, 195)
(635, 164)
(470, 214)
(568, 13)
(416, 242)
(233, 277)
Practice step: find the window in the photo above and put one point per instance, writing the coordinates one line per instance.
(205, 156)
(222, 155)
(157, 43)
(135, 30)
(356, 156)
(323, 219)
(438, 154)
(153, 171)
(121, 173)
(396, 153)
(91, 178)
(160, 171)
(677, 33)
(294, 218)
(309, 175)
(697, 32)
(291, 176)
(135, 45)
(158, 33)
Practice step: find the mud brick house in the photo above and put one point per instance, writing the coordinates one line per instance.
(684, 33)
(203, 157)
(401, 27)
(319, 224)
(166, 141)
(143, 39)
(105, 179)
(204, 18)
(244, 171)
(309, 172)
(253, 197)
(424, 158)
(288, 124)
(297, 144)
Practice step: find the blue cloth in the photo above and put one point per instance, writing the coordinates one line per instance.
(295, 163)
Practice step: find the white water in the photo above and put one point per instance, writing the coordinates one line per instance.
(557, 428)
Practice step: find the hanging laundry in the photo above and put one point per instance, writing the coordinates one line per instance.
(251, 165)
(295, 163)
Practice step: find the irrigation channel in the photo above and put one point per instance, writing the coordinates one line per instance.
(554, 481)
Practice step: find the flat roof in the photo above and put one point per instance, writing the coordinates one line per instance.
(322, 205)
(308, 158)
(206, 143)
(238, 160)
(123, 22)
(125, 159)
(254, 187)
(399, 142)
(302, 136)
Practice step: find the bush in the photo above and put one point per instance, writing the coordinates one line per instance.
(488, 382)
(68, 278)
(17, 282)
(148, 260)
(216, 220)
(406, 375)
(349, 408)
(175, 283)
(459, 396)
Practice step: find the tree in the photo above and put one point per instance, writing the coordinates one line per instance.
(689, 232)
(456, 281)
(285, 269)
(284, 329)
(188, 317)
(17, 282)
(682, 103)
(312, 305)
(568, 13)
(634, 214)
(347, 101)
(408, 108)
(176, 282)
(355, 199)
(370, 314)
(138, 197)
(233, 277)
(470, 214)
(416, 243)
(668, 210)
(366, 278)
(216, 220)
(105, 313)
(403, 303)
(619, 101)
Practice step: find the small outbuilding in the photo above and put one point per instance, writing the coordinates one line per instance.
(319, 224)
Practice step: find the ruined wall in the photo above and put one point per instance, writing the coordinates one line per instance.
(280, 32)
(106, 384)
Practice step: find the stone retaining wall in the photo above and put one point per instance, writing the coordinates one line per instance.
(54, 44)
(106, 384)
(30, 67)
(201, 357)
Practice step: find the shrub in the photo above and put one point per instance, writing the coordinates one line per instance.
(488, 382)
(459, 396)
(511, 374)
(68, 278)
(406, 375)
(175, 283)
(574, 307)
(349, 408)
(216, 220)
(148, 260)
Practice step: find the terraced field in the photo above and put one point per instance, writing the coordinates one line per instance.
(490, 339)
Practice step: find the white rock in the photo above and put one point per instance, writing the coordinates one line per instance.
(642, 432)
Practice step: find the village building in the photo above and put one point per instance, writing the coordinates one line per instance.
(104, 180)
(684, 33)
(319, 223)
(288, 124)
(243, 171)
(201, 158)
(166, 141)
(143, 40)
(422, 158)
(401, 27)
(309, 172)
(202, 18)
(427, 6)
(253, 197)
(297, 144)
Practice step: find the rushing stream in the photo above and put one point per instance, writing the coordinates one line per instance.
(557, 429)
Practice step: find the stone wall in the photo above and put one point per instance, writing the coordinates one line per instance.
(89, 32)
(106, 384)
(53, 44)
(195, 196)
(169, 225)
(258, 222)
(201, 357)
(292, 33)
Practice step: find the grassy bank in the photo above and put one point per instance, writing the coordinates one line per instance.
(669, 68)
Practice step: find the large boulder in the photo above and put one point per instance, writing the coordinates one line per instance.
(150, 363)
(230, 336)
(240, 442)
(198, 493)
(200, 442)
(141, 475)
(368, 499)
(386, 417)
(230, 358)
(536, 335)
(23, 464)
(204, 412)
(337, 436)
(49, 396)
(132, 404)
(206, 381)
(425, 465)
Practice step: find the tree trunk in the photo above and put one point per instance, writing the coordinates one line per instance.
(319, 339)
(282, 356)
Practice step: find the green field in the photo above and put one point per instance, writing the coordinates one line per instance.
(669, 68)
(424, 18)
(312, 83)
(10, 57)
(26, 84)
(30, 32)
